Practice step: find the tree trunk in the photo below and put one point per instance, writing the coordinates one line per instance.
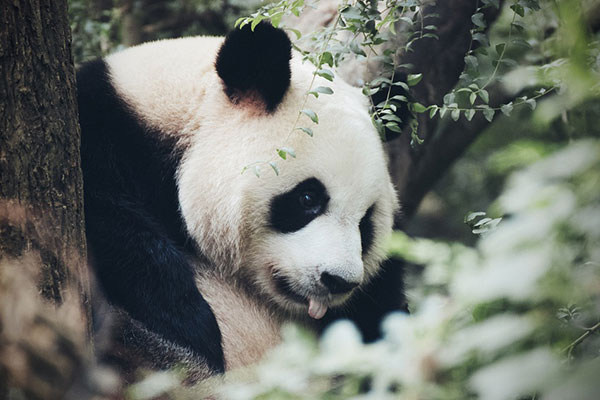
(42, 238)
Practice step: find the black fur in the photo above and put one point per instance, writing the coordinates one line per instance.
(289, 213)
(337, 284)
(133, 226)
(369, 305)
(366, 230)
(256, 62)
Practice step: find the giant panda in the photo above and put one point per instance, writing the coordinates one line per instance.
(207, 262)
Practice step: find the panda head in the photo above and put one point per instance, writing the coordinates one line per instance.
(307, 238)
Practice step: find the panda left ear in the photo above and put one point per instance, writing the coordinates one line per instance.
(256, 62)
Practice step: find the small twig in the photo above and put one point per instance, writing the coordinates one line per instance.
(569, 349)
(501, 55)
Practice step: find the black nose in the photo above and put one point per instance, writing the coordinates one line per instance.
(337, 285)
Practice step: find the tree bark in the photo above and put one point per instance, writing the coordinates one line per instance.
(41, 201)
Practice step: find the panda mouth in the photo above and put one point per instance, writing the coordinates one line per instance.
(285, 288)
(316, 308)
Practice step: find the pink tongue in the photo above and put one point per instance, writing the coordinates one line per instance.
(315, 309)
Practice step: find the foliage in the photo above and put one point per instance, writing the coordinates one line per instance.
(510, 54)
(495, 322)
(95, 31)
(100, 27)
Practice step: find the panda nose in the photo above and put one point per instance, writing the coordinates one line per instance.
(336, 284)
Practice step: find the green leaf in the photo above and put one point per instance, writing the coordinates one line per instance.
(321, 89)
(472, 97)
(379, 126)
(485, 96)
(455, 115)
(275, 168)
(418, 108)
(256, 21)
(443, 111)
(286, 150)
(311, 114)
(472, 62)
(518, 26)
(500, 48)
(488, 113)
(325, 73)
(478, 20)
(432, 111)
(413, 79)
(482, 221)
(471, 216)
(308, 131)
(324, 90)
(370, 91)
(506, 109)
(351, 13)
(275, 20)
(403, 85)
(415, 137)
(517, 8)
(327, 58)
(296, 32)
(238, 21)
(399, 97)
(481, 38)
(469, 114)
(394, 127)
(379, 81)
(449, 98)
(391, 117)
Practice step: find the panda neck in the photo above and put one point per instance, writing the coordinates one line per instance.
(249, 327)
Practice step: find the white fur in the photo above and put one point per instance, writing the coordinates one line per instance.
(236, 311)
(174, 88)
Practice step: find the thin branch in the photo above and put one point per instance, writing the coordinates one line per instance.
(569, 349)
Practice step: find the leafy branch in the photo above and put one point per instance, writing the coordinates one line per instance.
(274, 14)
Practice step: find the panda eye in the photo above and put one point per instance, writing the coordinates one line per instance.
(296, 208)
(308, 200)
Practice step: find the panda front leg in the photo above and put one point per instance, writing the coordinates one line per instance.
(145, 273)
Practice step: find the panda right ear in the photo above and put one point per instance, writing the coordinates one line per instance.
(256, 62)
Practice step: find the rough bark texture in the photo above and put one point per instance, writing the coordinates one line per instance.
(39, 138)
(41, 208)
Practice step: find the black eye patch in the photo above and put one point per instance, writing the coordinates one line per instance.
(293, 210)
(366, 230)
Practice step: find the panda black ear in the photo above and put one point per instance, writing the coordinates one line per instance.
(256, 62)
